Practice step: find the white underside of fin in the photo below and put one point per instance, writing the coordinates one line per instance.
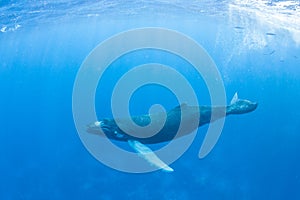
(146, 153)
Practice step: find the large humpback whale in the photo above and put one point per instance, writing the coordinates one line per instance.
(170, 128)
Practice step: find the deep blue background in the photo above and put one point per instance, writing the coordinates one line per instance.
(42, 157)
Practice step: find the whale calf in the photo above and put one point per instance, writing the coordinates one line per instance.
(170, 128)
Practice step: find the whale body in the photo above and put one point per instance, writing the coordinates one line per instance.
(170, 128)
(110, 128)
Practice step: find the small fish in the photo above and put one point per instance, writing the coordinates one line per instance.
(270, 34)
(270, 53)
(239, 27)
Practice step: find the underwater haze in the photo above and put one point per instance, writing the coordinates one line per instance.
(255, 45)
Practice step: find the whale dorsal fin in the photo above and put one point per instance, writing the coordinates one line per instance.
(234, 98)
(146, 153)
(181, 105)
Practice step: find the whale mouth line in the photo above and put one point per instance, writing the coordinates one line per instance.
(104, 126)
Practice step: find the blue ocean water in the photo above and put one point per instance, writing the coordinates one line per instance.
(255, 45)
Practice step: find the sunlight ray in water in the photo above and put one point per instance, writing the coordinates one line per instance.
(282, 15)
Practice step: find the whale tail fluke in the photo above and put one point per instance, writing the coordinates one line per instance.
(234, 99)
(240, 106)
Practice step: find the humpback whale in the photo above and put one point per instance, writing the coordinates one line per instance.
(170, 128)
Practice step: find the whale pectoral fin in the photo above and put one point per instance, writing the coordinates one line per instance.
(146, 153)
(234, 98)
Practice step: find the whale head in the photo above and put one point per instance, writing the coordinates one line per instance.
(107, 127)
